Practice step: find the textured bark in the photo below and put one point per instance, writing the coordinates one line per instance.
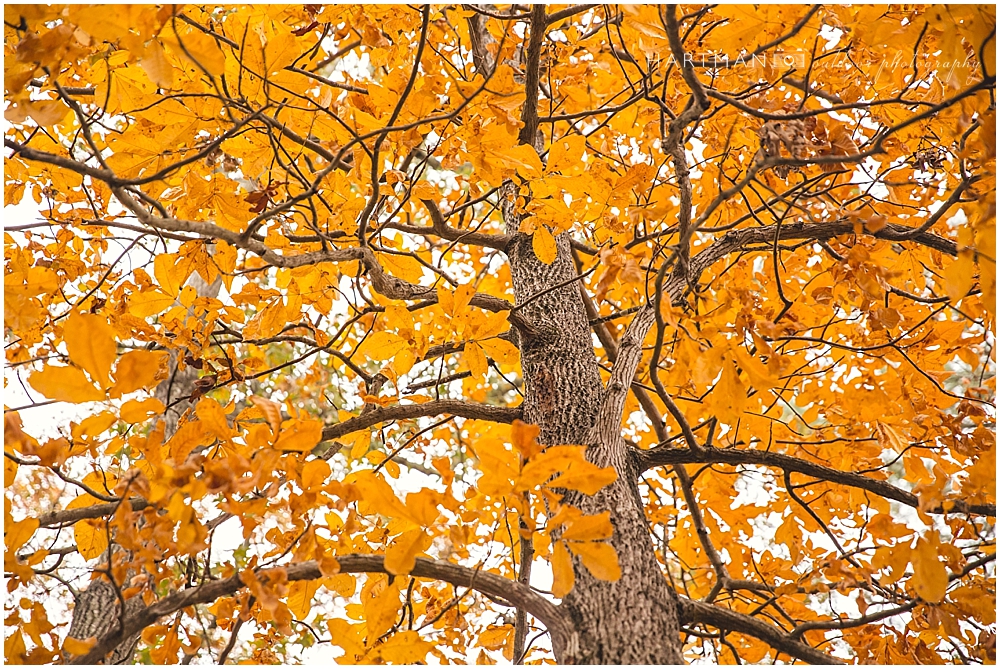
(633, 620)
(97, 613)
(98, 607)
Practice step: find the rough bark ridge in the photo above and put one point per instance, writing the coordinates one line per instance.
(633, 620)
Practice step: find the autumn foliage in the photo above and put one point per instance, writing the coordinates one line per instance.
(322, 387)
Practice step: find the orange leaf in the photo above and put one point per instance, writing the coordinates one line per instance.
(17, 534)
(562, 570)
(544, 245)
(78, 647)
(588, 528)
(476, 360)
(599, 558)
(90, 342)
(149, 303)
(401, 555)
(271, 411)
(930, 578)
(300, 596)
(137, 370)
(300, 436)
(66, 384)
(135, 411)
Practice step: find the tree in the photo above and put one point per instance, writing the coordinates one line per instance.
(691, 307)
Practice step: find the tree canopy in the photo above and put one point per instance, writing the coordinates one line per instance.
(484, 333)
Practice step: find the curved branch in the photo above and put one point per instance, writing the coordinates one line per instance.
(736, 456)
(738, 240)
(726, 619)
(487, 583)
(404, 411)
(70, 516)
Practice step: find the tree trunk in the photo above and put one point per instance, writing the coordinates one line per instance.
(633, 620)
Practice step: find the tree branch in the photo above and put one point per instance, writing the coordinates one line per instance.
(607, 426)
(736, 456)
(726, 619)
(529, 115)
(485, 582)
(405, 411)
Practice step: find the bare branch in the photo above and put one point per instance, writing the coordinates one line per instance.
(436, 408)
(657, 457)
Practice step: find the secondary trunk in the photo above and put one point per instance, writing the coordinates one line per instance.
(98, 608)
(633, 620)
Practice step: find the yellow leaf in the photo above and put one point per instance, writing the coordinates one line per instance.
(523, 436)
(225, 260)
(404, 267)
(165, 270)
(66, 384)
(494, 324)
(589, 528)
(566, 155)
(401, 555)
(789, 534)
(73, 646)
(137, 370)
(728, 398)
(930, 578)
(136, 411)
(599, 558)
(300, 596)
(270, 320)
(213, 418)
(300, 436)
(959, 276)
(499, 638)
(545, 465)
(194, 46)
(44, 112)
(423, 506)
(90, 535)
(544, 245)
(9, 472)
(314, 474)
(90, 342)
(381, 345)
(501, 351)
(562, 570)
(156, 65)
(423, 190)
(14, 649)
(982, 473)
(585, 477)
(402, 648)
(94, 425)
(17, 534)
(521, 158)
(889, 437)
(271, 411)
(476, 360)
(894, 559)
(344, 585)
(380, 600)
(149, 303)
(379, 495)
